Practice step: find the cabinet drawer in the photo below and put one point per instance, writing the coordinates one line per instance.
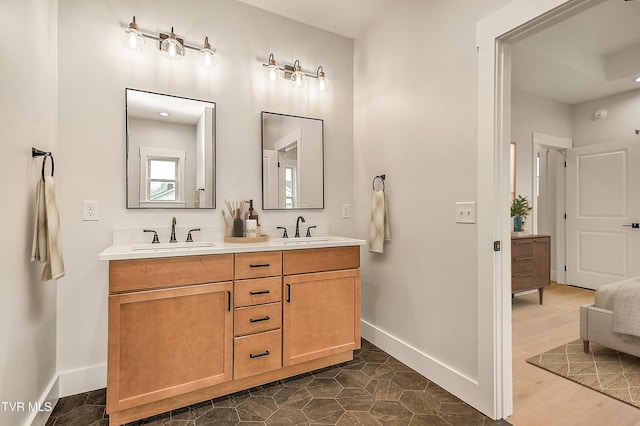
(257, 292)
(255, 319)
(522, 265)
(321, 259)
(148, 274)
(521, 248)
(259, 264)
(257, 353)
(521, 282)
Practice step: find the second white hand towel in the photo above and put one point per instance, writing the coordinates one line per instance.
(379, 228)
(47, 244)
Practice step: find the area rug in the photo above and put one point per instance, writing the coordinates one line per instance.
(607, 371)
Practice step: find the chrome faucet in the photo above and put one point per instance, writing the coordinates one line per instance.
(173, 231)
(300, 218)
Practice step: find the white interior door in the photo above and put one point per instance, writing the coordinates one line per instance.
(603, 200)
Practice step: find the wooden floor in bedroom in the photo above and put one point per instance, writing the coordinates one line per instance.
(540, 397)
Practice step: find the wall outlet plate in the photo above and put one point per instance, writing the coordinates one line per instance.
(90, 210)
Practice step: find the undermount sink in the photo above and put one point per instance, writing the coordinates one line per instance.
(172, 246)
(304, 240)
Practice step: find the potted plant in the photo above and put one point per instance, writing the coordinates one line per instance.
(519, 210)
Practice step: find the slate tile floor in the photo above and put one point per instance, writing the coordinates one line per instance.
(373, 389)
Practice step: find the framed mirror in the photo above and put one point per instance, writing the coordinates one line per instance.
(171, 151)
(292, 162)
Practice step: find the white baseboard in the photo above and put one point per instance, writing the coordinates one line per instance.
(47, 401)
(82, 380)
(460, 385)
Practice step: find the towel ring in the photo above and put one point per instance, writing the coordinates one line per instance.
(35, 152)
(381, 177)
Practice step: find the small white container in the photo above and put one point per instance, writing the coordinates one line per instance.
(251, 226)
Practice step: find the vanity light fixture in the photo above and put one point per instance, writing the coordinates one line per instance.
(133, 39)
(294, 74)
(322, 83)
(273, 72)
(297, 78)
(172, 47)
(207, 56)
(638, 79)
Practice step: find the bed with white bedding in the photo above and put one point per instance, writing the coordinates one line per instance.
(597, 319)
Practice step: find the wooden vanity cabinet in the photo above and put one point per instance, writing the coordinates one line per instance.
(186, 329)
(321, 314)
(165, 342)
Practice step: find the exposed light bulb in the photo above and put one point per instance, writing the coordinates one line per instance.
(133, 39)
(164, 114)
(207, 56)
(297, 78)
(272, 72)
(172, 48)
(322, 83)
(638, 79)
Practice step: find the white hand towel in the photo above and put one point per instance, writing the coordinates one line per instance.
(379, 228)
(47, 244)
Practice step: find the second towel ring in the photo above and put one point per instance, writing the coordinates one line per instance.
(35, 152)
(381, 177)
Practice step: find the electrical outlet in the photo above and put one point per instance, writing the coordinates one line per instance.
(90, 210)
(346, 211)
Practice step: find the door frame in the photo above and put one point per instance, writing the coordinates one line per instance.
(541, 141)
(515, 21)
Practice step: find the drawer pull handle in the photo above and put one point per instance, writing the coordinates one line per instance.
(260, 265)
(265, 353)
(288, 293)
(517, 259)
(267, 318)
(228, 301)
(253, 293)
(522, 275)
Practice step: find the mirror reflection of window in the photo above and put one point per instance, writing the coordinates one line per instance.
(162, 176)
(163, 180)
(289, 187)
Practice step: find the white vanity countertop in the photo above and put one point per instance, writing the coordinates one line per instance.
(123, 251)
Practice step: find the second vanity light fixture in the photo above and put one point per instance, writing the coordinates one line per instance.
(294, 74)
(171, 46)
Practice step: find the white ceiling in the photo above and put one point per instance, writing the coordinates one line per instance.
(593, 54)
(345, 17)
(149, 105)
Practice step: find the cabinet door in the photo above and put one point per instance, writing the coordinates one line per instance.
(167, 342)
(321, 315)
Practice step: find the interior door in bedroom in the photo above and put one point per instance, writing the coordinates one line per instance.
(603, 201)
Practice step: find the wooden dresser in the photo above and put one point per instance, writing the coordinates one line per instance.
(530, 263)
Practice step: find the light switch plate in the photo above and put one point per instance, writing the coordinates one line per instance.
(346, 211)
(466, 212)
